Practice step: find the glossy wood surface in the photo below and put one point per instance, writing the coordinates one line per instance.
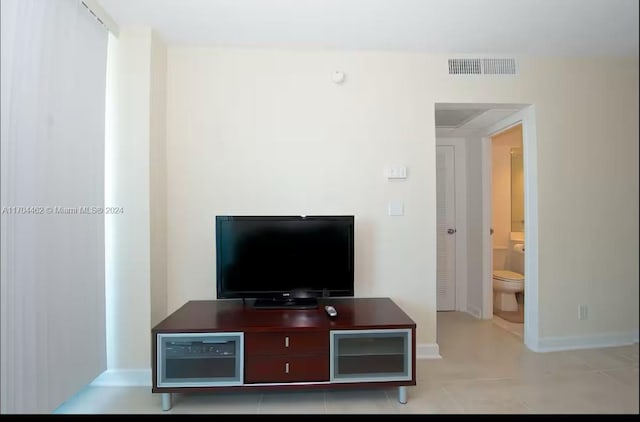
(287, 343)
(297, 368)
(232, 315)
(289, 356)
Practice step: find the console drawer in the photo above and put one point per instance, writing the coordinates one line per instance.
(270, 369)
(286, 343)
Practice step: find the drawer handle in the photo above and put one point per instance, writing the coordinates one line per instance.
(286, 367)
(286, 342)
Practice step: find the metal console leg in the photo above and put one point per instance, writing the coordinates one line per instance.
(166, 401)
(402, 395)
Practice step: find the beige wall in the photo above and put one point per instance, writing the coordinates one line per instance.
(267, 132)
(136, 173)
(127, 186)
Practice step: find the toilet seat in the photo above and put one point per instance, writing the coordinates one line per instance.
(506, 284)
(508, 276)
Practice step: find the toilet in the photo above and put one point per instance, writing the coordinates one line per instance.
(506, 284)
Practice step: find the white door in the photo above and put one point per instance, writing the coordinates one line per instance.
(446, 216)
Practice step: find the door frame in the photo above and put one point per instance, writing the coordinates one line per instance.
(460, 187)
(526, 116)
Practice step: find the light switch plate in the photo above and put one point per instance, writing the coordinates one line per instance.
(396, 208)
(396, 172)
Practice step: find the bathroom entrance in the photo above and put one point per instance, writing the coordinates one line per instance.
(507, 224)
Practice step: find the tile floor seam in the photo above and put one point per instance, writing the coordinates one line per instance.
(259, 404)
(613, 368)
(525, 405)
(324, 402)
(548, 374)
(629, 359)
(496, 379)
(456, 402)
(612, 377)
(386, 394)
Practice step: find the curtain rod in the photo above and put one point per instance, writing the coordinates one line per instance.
(101, 15)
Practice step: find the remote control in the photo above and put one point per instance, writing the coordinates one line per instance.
(331, 311)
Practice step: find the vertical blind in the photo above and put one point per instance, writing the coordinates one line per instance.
(53, 108)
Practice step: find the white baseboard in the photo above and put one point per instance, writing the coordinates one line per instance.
(428, 351)
(123, 378)
(554, 344)
(473, 311)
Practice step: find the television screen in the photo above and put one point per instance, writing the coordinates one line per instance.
(284, 259)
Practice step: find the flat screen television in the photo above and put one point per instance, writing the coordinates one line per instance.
(284, 261)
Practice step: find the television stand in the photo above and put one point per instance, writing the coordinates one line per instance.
(286, 303)
(223, 345)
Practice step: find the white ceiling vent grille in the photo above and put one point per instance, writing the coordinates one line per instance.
(488, 66)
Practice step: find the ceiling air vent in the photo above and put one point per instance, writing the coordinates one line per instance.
(495, 66)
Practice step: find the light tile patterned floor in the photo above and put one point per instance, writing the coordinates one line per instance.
(484, 369)
(515, 328)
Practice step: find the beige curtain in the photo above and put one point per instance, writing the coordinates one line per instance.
(53, 109)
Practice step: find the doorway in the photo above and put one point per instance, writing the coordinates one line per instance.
(508, 236)
(469, 126)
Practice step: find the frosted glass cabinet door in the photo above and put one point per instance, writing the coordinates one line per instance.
(370, 355)
(199, 360)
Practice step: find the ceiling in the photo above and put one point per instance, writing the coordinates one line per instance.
(515, 27)
(460, 120)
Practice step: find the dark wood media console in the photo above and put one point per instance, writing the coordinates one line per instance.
(228, 345)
